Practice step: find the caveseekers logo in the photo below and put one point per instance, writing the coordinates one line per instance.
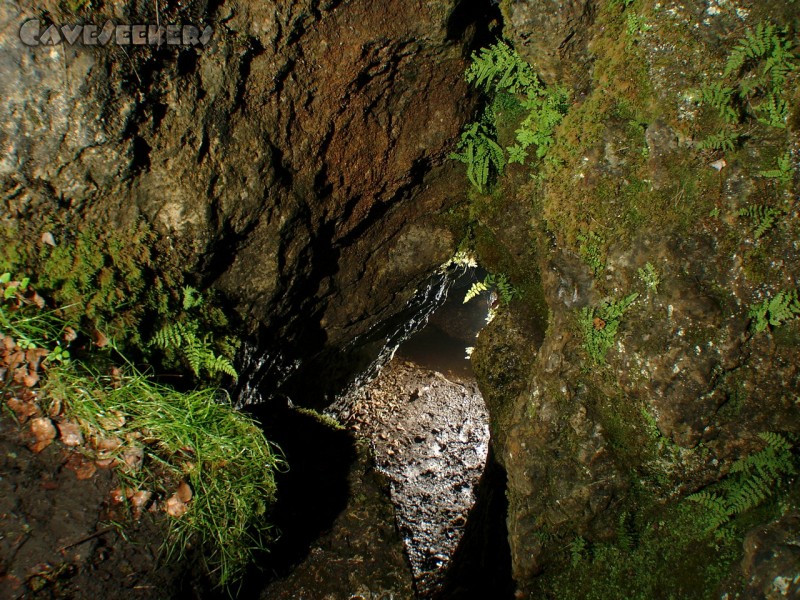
(35, 33)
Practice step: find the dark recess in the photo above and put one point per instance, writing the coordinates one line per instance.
(481, 565)
(472, 21)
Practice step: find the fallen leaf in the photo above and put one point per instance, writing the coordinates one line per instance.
(105, 446)
(23, 410)
(133, 456)
(99, 338)
(111, 421)
(70, 335)
(43, 430)
(37, 300)
(30, 380)
(139, 501)
(47, 238)
(70, 433)
(184, 492)
(81, 466)
(117, 496)
(105, 463)
(175, 507)
(55, 408)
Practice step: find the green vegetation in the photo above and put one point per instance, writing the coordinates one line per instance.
(679, 551)
(754, 79)
(600, 325)
(774, 311)
(753, 479)
(762, 217)
(650, 277)
(498, 282)
(192, 436)
(126, 288)
(480, 153)
(501, 73)
(591, 252)
(724, 140)
(184, 337)
(784, 171)
(160, 438)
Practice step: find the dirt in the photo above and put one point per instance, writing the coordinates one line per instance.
(430, 437)
(57, 539)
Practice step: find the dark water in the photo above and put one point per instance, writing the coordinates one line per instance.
(451, 329)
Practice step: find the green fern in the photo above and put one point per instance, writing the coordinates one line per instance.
(752, 481)
(721, 98)
(716, 506)
(191, 298)
(197, 352)
(725, 140)
(498, 282)
(650, 277)
(600, 326)
(590, 249)
(499, 67)
(785, 170)
(762, 217)
(773, 111)
(577, 549)
(475, 290)
(775, 311)
(480, 153)
(547, 108)
(765, 42)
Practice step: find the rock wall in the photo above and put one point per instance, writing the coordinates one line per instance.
(688, 384)
(296, 162)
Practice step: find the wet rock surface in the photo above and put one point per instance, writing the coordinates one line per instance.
(430, 438)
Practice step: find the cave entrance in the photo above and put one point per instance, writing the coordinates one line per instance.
(428, 427)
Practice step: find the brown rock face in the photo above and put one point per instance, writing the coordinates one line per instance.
(298, 157)
(550, 34)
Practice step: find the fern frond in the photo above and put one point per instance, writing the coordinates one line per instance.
(475, 290)
(762, 217)
(773, 111)
(218, 364)
(785, 170)
(193, 352)
(169, 336)
(721, 98)
(716, 505)
(480, 152)
(774, 311)
(776, 441)
(724, 140)
(499, 67)
(191, 298)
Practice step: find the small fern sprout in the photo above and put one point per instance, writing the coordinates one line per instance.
(774, 311)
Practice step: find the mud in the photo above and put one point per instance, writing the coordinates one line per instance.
(430, 437)
(57, 534)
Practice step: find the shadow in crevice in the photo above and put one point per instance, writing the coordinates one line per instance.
(481, 564)
(312, 491)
